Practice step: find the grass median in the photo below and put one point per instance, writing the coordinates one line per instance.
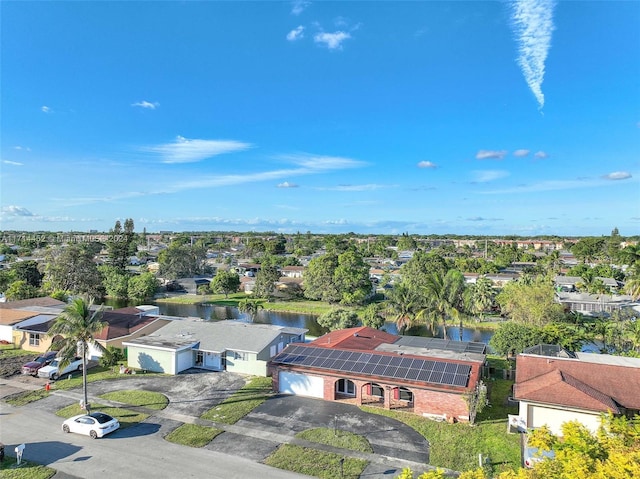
(336, 438)
(193, 435)
(26, 470)
(325, 465)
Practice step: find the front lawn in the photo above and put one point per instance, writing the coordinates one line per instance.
(242, 402)
(456, 446)
(336, 438)
(193, 435)
(23, 398)
(26, 470)
(147, 399)
(325, 465)
(126, 417)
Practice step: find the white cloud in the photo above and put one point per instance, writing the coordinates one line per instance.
(184, 150)
(366, 187)
(541, 155)
(45, 109)
(521, 153)
(480, 218)
(427, 164)
(15, 211)
(22, 148)
(286, 184)
(296, 34)
(485, 176)
(146, 104)
(618, 175)
(491, 154)
(298, 6)
(533, 26)
(332, 41)
(14, 163)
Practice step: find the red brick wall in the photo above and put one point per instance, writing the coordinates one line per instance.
(440, 403)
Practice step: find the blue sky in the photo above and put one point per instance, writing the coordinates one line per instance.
(378, 117)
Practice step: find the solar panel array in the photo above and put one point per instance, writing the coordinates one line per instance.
(372, 364)
(444, 344)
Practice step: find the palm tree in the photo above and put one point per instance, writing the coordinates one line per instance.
(444, 298)
(482, 296)
(402, 303)
(250, 307)
(77, 325)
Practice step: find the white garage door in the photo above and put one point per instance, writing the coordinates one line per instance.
(301, 384)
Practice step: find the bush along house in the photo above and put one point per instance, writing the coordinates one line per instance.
(430, 377)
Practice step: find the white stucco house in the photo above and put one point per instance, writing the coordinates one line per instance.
(233, 346)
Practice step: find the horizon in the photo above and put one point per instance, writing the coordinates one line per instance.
(373, 118)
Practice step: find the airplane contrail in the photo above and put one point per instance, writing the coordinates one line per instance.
(533, 25)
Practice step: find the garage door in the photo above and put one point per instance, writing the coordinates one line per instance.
(301, 384)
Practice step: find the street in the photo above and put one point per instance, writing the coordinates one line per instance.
(133, 452)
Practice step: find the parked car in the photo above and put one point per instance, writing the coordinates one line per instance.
(95, 425)
(52, 371)
(31, 368)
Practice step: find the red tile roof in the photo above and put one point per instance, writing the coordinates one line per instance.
(574, 383)
(362, 338)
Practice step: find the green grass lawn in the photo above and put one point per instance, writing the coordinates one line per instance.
(126, 417)
(193, 435)
(336, 438)
(242, 402)
(456, 446)
(147, 399)
(9, 351)
(325, 465)
(27, 397)
(97, 373)
(26, 470)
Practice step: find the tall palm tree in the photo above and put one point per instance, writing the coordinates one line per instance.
(482, 296)
(77, 325)
(444, 298)
(250, 307)
(402, 303)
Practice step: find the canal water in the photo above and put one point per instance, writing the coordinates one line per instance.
(306, 321)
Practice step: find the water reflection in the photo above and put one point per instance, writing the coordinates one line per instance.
(299, 320)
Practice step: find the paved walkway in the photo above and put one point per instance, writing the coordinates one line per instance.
(263, 430)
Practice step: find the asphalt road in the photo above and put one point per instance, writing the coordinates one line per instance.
(122, 453)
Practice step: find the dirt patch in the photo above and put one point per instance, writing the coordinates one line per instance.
(12, 365)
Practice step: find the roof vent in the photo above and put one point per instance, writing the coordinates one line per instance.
(356, 334)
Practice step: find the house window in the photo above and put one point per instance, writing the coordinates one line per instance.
(404, 394)
(199, 358)
(344, 386)
(239, 355)
(34, 339)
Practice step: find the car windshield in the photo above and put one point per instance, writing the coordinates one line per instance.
(101, 417)
(40, 359)
(54, 363)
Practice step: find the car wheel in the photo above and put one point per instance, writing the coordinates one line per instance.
(54, 376)
(93, 434)
(65, 428)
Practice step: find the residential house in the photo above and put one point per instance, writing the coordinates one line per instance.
(292, 271)
(555, 386)
(9, 318)
(427, 376)
(229, 345)
(594, 304)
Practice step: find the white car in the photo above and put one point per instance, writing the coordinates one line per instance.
(52, 371)
(97, 424)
